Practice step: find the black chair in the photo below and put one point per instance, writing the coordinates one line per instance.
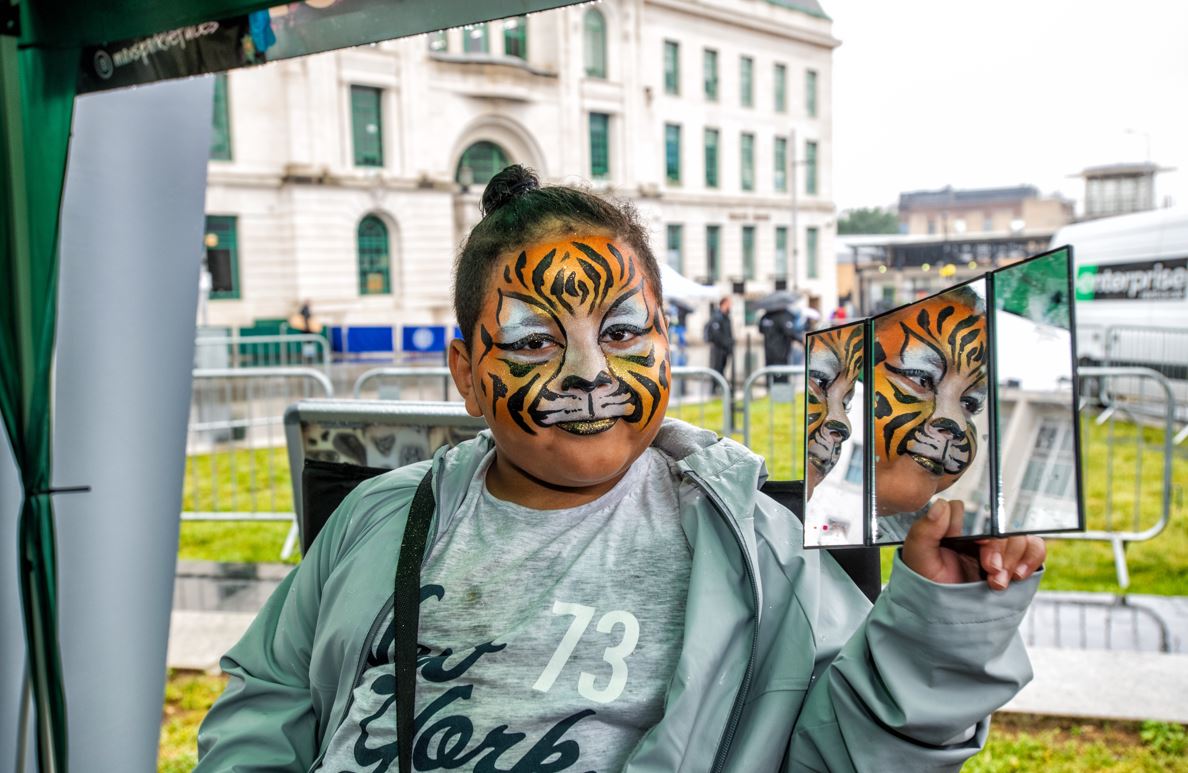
(336, 445)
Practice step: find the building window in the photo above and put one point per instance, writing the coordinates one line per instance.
(987, 223)
(222, 256)
(220, 138)
(1050, 473)
(479, 163)
(810, 93)
(781, 251)
(373, 257)
(810, 168)
(931, 225)
(672, 67)
(810, 252)
(599, 145)
(672, 152)
(515, 37)
(746, 90)
(676, 239)
(780, 84)
(713, 243)
(747, 162)
(710, 68)
(780, 163)
(366, 126)
(439, 41)
(474, 38)
(711, 158)
(594, 43)
(748, 251)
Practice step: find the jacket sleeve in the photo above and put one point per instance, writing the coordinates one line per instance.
(265, 719)
(913, 687)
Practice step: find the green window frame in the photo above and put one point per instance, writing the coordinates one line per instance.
(746, 81)
(220, 138)
(474, 39)
(781, 251)
(675, 244)
(780, 86)
(367, 128)
(594, 43)
(711, 158)
(810, 93)
(439, 41)
(709, 66)
(222, 256)
(810, 168)
(780, 164)
(746, 160)
(599, 146)
(672, 67)
(485, 160)
(515, 37)
(748, 251)
(713, 252)
(811, 238)
(672, 152)
(373, 251)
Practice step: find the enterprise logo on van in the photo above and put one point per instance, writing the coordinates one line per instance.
(1158, 280)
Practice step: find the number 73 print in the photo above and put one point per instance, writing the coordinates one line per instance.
(615, 656)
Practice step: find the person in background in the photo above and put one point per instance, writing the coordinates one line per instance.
(719, 334)
(780, 328)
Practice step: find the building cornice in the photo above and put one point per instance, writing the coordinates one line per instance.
(753, 23)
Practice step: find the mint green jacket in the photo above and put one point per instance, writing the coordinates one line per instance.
(785, 665)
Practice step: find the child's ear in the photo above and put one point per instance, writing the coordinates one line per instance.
(460, 370)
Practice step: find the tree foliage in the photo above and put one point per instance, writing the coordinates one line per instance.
(868, 220)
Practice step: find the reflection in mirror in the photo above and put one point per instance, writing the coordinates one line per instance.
(1034, 356)
(833, 477)
(930, 426)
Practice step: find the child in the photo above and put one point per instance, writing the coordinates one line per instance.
(602, 589)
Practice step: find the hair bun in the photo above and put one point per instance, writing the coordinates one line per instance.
(511, 183)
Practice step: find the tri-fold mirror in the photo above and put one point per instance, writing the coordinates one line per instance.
(969, 395)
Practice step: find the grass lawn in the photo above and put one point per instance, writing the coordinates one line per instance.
(1018, 742)
(1159, 566)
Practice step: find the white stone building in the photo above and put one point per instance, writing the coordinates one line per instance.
(350, 178)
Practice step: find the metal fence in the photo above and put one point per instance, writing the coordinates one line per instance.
(407, 383)
(263, 351)
(1162, 349)
(774, 425)
(237, 468)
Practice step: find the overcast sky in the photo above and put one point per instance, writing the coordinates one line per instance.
(929, 93)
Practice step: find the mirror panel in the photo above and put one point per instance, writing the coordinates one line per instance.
(930, 423)
(834, 480)
(1034, 357)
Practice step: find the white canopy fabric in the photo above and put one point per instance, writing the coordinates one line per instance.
(681, 288)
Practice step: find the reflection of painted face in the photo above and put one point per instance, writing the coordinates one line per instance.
(834, 366)
(570, 359)
(930, 381)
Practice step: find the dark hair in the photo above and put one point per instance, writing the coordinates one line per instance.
(517, 210)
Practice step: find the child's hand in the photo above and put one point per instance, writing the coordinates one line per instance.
(1003, 560)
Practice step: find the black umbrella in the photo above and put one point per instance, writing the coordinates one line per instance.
(780, 299)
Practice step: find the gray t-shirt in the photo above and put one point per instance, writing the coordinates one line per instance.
(547, 638)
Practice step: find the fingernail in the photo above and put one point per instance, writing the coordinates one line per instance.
(1002, 580)
(934, 512)
(994, 562)
(1021, 571)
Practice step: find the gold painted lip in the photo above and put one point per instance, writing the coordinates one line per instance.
(591, 427)
(931, 465)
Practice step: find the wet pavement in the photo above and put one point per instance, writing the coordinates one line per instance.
(1094, 654)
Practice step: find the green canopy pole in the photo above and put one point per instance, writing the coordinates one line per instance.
(36, 100)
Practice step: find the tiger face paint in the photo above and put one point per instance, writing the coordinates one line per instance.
(930, 381)
(834, 368)
(569, 361)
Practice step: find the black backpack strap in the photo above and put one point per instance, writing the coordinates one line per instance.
(406, 615)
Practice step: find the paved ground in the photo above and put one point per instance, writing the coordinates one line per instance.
(1093, 654)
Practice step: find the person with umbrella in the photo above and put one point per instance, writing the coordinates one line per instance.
(782, 323)
(719, 334)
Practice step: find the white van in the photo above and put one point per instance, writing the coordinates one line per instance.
(1132, 289)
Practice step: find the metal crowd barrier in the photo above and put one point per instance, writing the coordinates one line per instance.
(402, 376)
(712, 384)
(235, 433)
(1163, 349)
(1072, 620)
(264, 351)
(1116, 530)
(789, 393)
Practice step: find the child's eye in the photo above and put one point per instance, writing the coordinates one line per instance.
(919, 378)
(621, 333)
(532, 343)
(972, 405)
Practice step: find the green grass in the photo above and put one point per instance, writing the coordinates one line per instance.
(1159, 566)
(1018, 742)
